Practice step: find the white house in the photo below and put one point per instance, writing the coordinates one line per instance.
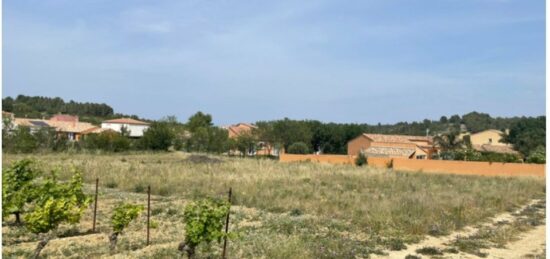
(135, 127)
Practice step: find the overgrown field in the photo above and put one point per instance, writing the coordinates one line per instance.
(297, 210)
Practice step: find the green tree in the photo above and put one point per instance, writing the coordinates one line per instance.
(246, 143)
(455, 119)
(199, 120)
(476, 122)
(204, 136)
(527, 134)
(298, 148)
(218, 140)
(23, 140)
(158, 136)
(449, 141)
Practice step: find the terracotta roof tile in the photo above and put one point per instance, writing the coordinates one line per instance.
(76, 127)
(496, 149)
(239, 128)
(397, 138)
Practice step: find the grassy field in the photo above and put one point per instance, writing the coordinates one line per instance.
(297, 210)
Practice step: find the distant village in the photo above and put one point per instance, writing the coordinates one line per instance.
(372, 145)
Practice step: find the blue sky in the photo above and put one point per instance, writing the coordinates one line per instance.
(342, 61)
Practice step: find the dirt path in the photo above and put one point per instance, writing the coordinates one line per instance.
(531, 242)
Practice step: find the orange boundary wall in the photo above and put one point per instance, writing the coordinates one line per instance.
(329, 159)
(430, 166)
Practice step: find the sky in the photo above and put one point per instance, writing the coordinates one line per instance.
(244, 61)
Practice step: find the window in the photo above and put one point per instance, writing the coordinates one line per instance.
(490, 140)
(421, 157)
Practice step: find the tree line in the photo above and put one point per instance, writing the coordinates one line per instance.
(39, 106)
(199, 134)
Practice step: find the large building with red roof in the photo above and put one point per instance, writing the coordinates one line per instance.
(380, 145)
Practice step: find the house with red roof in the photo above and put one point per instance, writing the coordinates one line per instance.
(380, 145)
(262, 147)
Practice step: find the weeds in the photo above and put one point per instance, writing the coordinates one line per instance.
(428, 250)
(304, 210)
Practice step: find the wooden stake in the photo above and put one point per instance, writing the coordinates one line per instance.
(148, 211)
(95, 203)
(226, 226)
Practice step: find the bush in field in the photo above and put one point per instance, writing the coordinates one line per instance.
(470, 154)
(108, 141)
(18, 187)
(23, 140)
(498, 157)
(54, 204)
(538, 156)
(204, 221)
(122, 216)
(361, 159)
(298, 148)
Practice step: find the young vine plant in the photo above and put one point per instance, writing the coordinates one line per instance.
(204, 221)
(123, 214)
(56, 203)
(18, 187)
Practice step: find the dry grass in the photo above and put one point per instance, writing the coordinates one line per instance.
(294, 210)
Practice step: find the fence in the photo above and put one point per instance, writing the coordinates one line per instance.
(431, 166)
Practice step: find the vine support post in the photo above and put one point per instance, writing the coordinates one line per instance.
(226, 225)
(95, 203)
(148, 211)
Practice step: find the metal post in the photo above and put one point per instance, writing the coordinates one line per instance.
(226, 226)
(95, 203)
(148, 211)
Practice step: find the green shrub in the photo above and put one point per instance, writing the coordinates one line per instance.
(107, 141)
(296, 212)
(18, 187)
(395, 244)
(361, 160)
(538, 156)
(139, 188)
(428, 250)
(204, 221)
(123, 214)
(389, 165)
(298, 148)
(111, 184)
(54, 204)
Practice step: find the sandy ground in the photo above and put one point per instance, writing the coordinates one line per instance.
(531, 243)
